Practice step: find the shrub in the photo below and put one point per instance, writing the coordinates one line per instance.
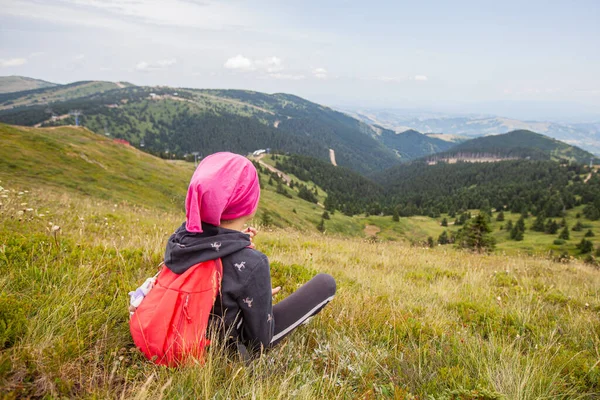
(585, 246)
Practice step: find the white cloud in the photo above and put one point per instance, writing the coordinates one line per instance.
(142, 66)
(79, 57)
(13, 62)
(420, 78)
(291, 77)
(239, 62)
(270, 64)
(158, 65)
(166, 63)
(320, 73)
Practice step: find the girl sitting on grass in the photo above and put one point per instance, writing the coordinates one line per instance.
(223, 195)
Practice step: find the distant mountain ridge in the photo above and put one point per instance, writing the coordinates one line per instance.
(584, 135)
(519, 144)
(15, 83)
(410, 144)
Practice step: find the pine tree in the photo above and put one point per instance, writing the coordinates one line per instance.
(564, 234)
(325, 215)
(430, 242)
(476, 234)
(500, 216)
(443, 239)
(563, 223)
(395, 216)
(551, 227)
(589, 233)
(509, 225)
(321, 226)
(266, 219)
(585, 246)
(539, 223)
(445, 221)
(578, 227)
(518, 230)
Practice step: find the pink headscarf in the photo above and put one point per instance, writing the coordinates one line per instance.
(224, 187)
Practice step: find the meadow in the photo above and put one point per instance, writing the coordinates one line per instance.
(408, 321)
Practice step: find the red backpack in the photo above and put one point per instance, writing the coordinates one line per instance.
(171, 322)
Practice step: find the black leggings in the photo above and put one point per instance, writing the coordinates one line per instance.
(305, 302)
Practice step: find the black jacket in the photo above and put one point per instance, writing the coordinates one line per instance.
(245, 301)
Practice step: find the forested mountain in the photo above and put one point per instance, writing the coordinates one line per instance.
(516, 145)
(347, 191)
(14, 83)
(417, 188)
(179, 121)
(411, 144)
(518, 185)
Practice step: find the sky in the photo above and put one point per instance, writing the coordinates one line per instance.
(467, 56)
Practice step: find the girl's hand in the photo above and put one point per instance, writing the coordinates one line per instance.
(251, 231)
(276, 290)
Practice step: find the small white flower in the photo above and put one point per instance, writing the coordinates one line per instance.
(23, 204)
(29, 209)
(587, 304)
(20, 212)
(55, 228)
(20, 193)
(42, 215)
(499, 298)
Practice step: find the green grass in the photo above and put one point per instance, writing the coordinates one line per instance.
(408, 322)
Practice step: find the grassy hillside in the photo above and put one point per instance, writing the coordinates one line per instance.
(77, 159)
(406, 321)
(14, 83)
(519, 144)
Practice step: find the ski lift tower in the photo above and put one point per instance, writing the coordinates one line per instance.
(196, 154)
(76, 114)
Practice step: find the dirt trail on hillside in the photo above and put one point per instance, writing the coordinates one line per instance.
(52, 119)
(271, 168)
(332, 157)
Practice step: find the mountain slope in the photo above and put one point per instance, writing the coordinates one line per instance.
(79, 160)
(411, 144)
(180, 121)
(14, 83)
(517, 144)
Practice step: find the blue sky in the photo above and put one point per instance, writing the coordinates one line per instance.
(442, 54)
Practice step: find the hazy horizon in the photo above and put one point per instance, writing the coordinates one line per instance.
(527, 61)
